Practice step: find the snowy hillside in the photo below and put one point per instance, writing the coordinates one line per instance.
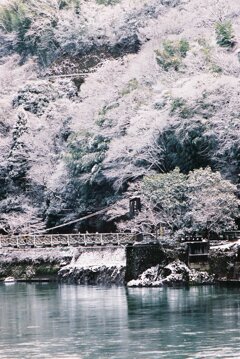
(154, 87)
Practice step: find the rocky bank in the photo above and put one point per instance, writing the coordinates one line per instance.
(34, 263)
(137, 266)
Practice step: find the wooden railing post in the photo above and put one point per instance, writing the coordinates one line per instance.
(68, 240)
(51, 240)
(118, 241)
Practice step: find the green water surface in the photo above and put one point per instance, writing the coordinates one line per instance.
(66, 321)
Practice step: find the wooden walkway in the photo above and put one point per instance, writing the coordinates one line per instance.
(64, 240)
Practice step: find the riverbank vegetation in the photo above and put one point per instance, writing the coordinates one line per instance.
(152, 110)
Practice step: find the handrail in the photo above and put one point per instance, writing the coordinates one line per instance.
(79, 239)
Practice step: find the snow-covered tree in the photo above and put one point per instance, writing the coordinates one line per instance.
(212, 202)
(200, 202)
(164, 196)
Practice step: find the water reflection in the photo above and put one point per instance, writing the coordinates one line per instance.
(187, 323)
(61, 321)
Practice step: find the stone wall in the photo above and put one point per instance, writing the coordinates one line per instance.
(141, 257)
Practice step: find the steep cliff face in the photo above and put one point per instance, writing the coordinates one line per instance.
(154, 86)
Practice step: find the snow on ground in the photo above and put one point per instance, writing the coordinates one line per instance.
(228, 245)
(95, 257)
(35, 254)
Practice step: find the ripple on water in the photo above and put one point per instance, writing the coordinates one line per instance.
(77, 322)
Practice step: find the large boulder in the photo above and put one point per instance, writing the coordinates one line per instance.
(173, 274)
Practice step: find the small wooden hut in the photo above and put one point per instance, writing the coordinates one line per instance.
(134, 206)
(198, 252)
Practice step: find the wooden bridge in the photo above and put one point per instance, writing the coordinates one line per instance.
(65, 240)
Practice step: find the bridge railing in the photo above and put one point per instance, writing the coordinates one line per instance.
(54, 240)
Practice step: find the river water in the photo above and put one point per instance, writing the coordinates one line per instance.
(73, 322)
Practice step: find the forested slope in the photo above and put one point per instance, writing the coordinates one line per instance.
(154, 113)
